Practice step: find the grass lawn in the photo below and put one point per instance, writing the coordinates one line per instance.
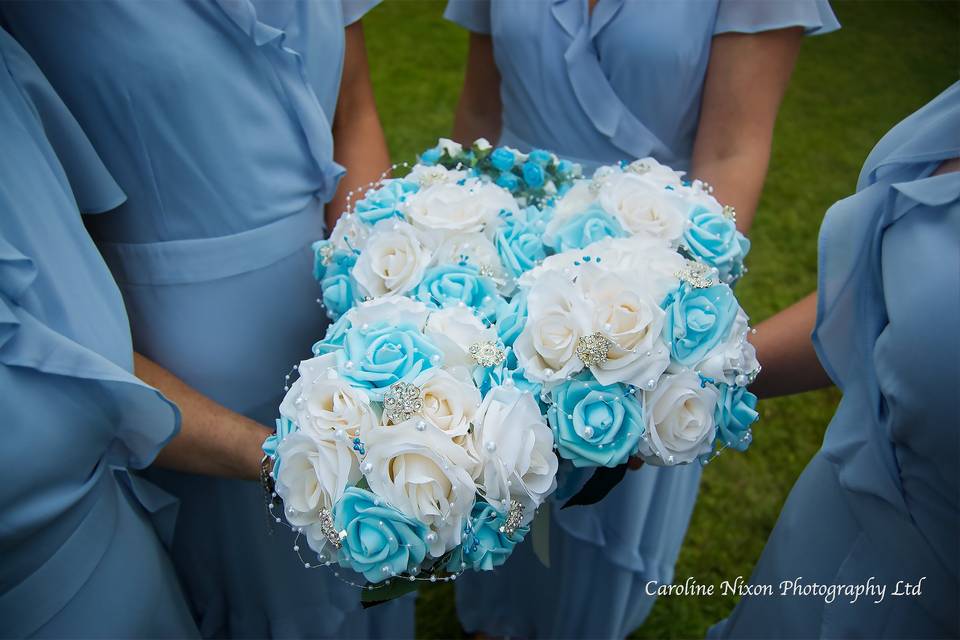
(849, 88)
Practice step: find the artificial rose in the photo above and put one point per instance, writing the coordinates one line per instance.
(451, 207)
(324, 405)
(393, 259)
(644, 207)
(453, 330)
(680, 421)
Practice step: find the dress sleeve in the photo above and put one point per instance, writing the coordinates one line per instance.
(353, 10)
(472, 15)
(754, 16)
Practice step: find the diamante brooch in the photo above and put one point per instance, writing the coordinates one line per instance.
(729, 212)
(696, 274)
(326, 254)
(514, 518)
(329, 530)
(487, 353)
(592, 349)
(402, 401)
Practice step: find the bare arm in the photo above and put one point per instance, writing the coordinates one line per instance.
(479, 110)
(746, 79)
(213, 440)
(359, 144)
(785, 351)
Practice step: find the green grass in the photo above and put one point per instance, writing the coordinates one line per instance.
(849, 88)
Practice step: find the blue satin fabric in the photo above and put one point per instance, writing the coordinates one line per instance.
(625, 81)
(80, 554)
(881, 498)
(215, 118)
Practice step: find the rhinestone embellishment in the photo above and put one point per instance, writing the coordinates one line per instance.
(639, 167)
(402, 401)
(487, 353)
(593, 349)
(729, 212)
(329, 531)
(514, 518)
(486, 271)
(326, 254)
(696, 274)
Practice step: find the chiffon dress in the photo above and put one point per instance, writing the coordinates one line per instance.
(621, 82)
(215, 119)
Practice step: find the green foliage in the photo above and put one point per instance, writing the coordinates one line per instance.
(849, 88)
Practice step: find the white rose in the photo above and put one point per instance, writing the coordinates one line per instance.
(323, 405)
(679, 417)
(643, 207)
(625, 313)
(458, 208)
(516, 447)
(656, 173)
(426, 176)
(417, 468)
(477, 250)
(452, 148)
(734, 357)
(574, 202)
(482, 144)
(557, 315)
(453, 330)
(350, 233)
(391, 309)
(393, 261)
(313, 474)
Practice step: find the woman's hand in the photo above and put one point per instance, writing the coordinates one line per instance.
(213, 440)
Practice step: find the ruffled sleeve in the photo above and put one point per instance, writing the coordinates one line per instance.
(353, 10)
(89, 181)
(472, 15)
(754, 16)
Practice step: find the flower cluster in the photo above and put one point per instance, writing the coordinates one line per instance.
(493, 311)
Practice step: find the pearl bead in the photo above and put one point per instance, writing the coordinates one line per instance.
(367, 467)
(491, 446)
(588, 432)
(431, 537)
(421, 425)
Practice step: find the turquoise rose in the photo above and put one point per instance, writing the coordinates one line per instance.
(451, 284)
(376, 357)
(565, 168)
(586, 228)
(502, 159)
(333, 340)
(381, 542)
(714, 239)
(697, 321)
(508, 181)
(595, 425)
(339, 294)
(431, 157)
(735, 412)
(519, 240)
(507, 372)
(512, 317)
(541, 157)
(533, 174)
(380, 204)
(484, 546)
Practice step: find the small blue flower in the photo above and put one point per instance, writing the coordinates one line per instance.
(585, 229)
(511, 317)
(376, 357)
(595, 425)
(714, 239)
(451, 284)
(339, 294)
(533, 174)
(565, 168)
(484, 546)
(508, 181)
(431, 157)
(380, 204)
(540, 157)
(698, 320)
(519, 240)
(502, 159)
(381, 542)
(735, 412)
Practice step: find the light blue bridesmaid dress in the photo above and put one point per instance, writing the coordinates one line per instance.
(79, 555)
(623, 82)
(215, 118)
(880, 501)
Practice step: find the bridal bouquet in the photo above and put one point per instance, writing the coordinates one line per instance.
(493, 310)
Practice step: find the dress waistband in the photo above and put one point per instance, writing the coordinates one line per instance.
(38, 598)
(204, 259)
